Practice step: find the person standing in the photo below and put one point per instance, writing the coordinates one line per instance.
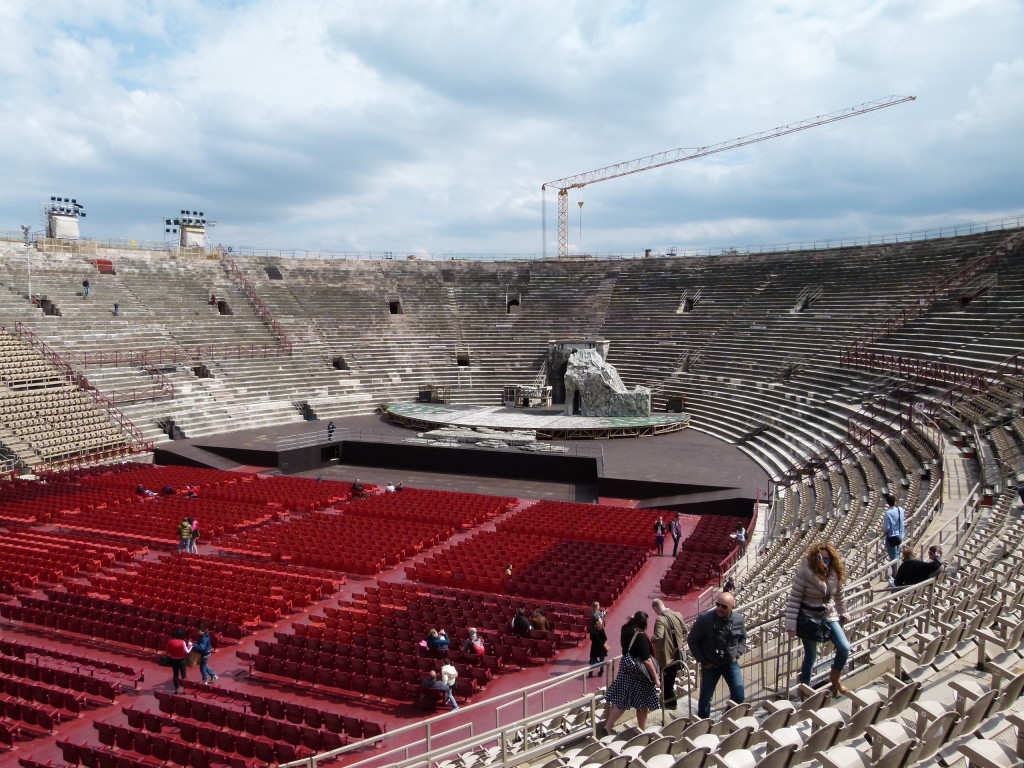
(669, 640)
(637, 684)
(740, 535)
(894, 531)
(193, 542)
(330, 431)
(177, 650)
(717, 639)
(205, 647)
(184, 534)
(659, 535)
(675, 528)
(817, 593)
(598, 645)
(85, 289)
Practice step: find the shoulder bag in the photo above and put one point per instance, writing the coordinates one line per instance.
(642, 672)
(811, 624)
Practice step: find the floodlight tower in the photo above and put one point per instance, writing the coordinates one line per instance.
(190, 227)
(671, 156)
(62, 215)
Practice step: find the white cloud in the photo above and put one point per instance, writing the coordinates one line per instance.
(431, 125)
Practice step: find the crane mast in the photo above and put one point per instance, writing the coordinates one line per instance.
(669, 157)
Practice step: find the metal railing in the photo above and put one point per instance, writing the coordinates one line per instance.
(150, 358)
(853, 241)
(261, 307)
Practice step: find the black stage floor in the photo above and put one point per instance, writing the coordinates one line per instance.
(686, 458)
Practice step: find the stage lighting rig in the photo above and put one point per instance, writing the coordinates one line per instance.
(62, 215)
(190, 226)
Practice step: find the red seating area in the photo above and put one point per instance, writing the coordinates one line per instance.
(372, 644)
(28, 564)
(125, 477)
(701, 554)
(155, 520)
(586, 522)
(350, 543)
(24, 501)
(543, 567)
(301, 494)
(458, 510)
(120, 674)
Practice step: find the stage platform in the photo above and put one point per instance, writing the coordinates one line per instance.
(548, 423)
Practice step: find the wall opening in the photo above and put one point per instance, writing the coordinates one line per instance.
(49, 308)
(274, 273)
(462, 359)
(395, 307)
(223, 307)
(512, 308)
(202, 372)
(339, 364)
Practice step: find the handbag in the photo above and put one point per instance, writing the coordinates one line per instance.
(642, 672)
(193, 658)
(164, 660)
(811, 624)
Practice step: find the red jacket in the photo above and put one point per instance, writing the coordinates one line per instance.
(178, 649)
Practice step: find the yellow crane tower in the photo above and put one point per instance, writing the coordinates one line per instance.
(671, 156)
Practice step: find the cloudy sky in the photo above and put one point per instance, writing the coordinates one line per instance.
(430, 125)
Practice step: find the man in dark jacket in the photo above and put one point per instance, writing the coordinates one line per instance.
(668, 638)
(717, 639)
(913, 571)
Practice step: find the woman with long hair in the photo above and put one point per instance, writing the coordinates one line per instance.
(633, 689)
(817, 597)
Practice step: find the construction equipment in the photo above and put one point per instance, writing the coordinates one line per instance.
(671, 156)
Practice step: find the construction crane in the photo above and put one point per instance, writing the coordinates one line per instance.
(660, 159)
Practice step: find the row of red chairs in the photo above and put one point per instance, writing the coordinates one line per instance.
(132, 616)
(316, 583)
(110, 552)
(170, 749)
(63, 704)
(461, 510)
(82, 664)
(195, 707)
(102, 691)
(26, 718)
(585, 522)
(700, 554)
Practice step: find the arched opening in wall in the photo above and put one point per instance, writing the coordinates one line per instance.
(557, 384)
(339, 364)
(223, 307)
(49, 308)
(512, 308)
(577, 402)
(274, 273)
(462, 359)
(395, 307)
(202, 372)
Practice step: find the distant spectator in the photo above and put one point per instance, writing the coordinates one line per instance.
(168, 491)
(474, 643)
(521, 624)
(399, 486)
(192, 491)
(740, 535)
(659, 535)
(330, 430)
(675, 529)
(205, 647)
(184, 534)
(539, 620)
(913, 571)
(598, 645)
(193, 543)
(177, 650)
(213, 299)
(730, 585)
(358, 492)
(437, 640)
(894, 530)
(596, 612)
(143, 492)
(432, 683)
(85, 289)
(449, 674)
(389, 488)
(508, 571)
(117, 309)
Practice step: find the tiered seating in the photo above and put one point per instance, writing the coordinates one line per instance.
(27, 562)
(586, 522)
(543, 566)
(458, 510)
(701, 554)
(350, 543)
(26, 501)
(293, 493)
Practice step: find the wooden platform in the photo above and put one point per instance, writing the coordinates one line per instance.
(548, 423)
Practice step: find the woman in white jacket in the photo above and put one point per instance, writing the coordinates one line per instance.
(818, 591)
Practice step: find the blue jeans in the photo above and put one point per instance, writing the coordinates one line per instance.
(893, 552)
(709, 677)
(183, 544)
(204, 669)
(811, 652)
